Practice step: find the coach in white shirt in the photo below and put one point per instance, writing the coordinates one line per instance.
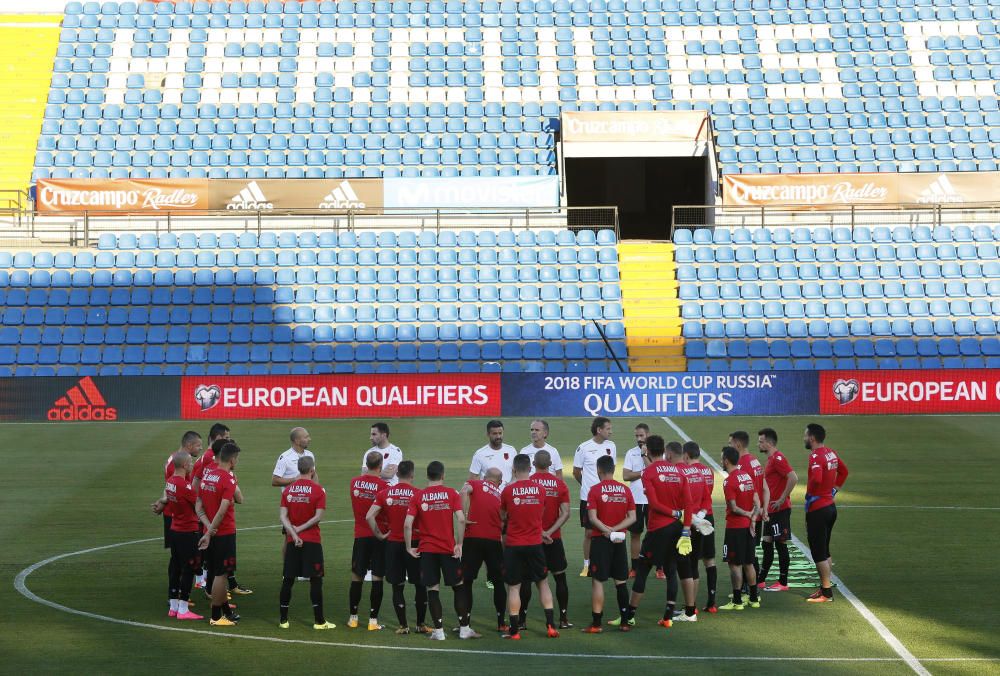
(585, 472)
(539, 442)
(391, 455)
(636, 460)
(494, 454)
(286, 470)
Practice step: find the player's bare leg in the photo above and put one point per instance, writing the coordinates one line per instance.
(711, 583)
(586, 553)
(514, 610)
(750, 575)
(596, 607)
(736, 578)
(635, 541)
(437, 612)
(545, 596)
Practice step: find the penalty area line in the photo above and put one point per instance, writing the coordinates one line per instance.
(869, 616)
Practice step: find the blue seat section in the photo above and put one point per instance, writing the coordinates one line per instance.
(881, 297)
(332, 89)
(312, 303)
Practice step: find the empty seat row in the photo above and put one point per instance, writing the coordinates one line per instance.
(863, 347)
(839, 328)
(843, 253)
(77, 333)
(832, 291)
(842, 363)
(362, 313)
(836, 272)
(839, 235)
(303, 368)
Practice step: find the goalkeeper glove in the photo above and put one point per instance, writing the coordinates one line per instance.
(617, 536)
(703, 526)
(684, 543)
(835, 491)
(810, 499)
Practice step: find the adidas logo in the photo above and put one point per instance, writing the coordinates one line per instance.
(342, 197)
(81, 402)
(940, 191)
(251, 198)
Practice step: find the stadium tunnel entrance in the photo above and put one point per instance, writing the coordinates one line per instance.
(642, 162)
(645, 189)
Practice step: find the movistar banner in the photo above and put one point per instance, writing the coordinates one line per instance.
(472, 191)
(659, 394)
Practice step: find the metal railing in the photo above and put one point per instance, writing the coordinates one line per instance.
(84, 228)
(912, 215)
(15, 207)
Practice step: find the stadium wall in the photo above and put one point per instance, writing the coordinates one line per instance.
(113, 399)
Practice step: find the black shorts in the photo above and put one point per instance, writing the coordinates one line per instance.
(584, 515)
(222, 555)
(400, 567)
(304, 561)
(476, 552)
(659, 547)
(555, 556)
(368, 554)
(779, 526)
(167, 520)
(434, 566)
(641, 519)
(738, 547)
(524, 563)
(819, 528)
(184, 549)
(704, 545)
(608, 560)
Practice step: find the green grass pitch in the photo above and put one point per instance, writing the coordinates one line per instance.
(916, 541)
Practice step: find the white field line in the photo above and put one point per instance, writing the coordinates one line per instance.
(869, 616)
(20, 584)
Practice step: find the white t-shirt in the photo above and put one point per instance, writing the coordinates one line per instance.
(530, 451)
(586, 457)
(633, 461)
(391, 455)
(486, 457)
(287, 466)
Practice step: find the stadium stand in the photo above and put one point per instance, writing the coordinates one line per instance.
(314, 303)
(821, 298)
(445, 88)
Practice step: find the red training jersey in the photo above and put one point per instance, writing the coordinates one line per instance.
(180, 499)
(739, 486)
(364, 490)
(302, 498)
(708, 479)
(556, 494)
(751, 465)
(524, 503)
(434, 510)
(393, 503)
(218, 485)
(696, 485)
(776, 474)
(826, 472)
(667, 490)
(483, 519)
(204, 462)
(612, 500)
(168, 468)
